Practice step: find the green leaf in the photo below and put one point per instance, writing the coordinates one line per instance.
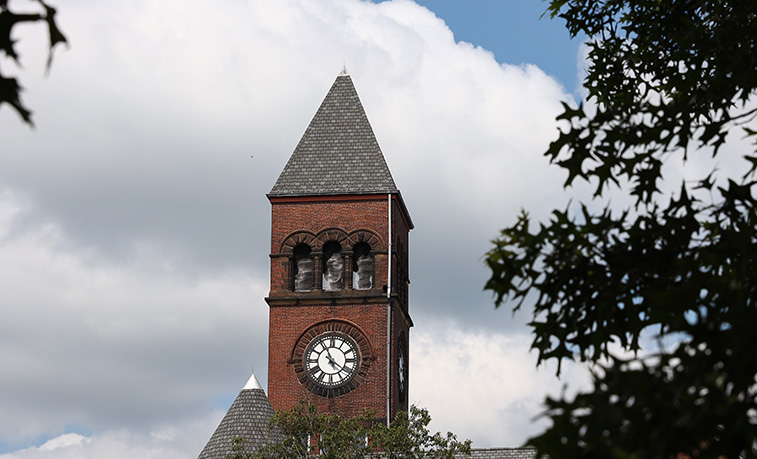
(10, 92)
(56, 36)
(9, 87)
(670, 280)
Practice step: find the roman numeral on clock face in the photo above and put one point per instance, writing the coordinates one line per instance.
(331, 359)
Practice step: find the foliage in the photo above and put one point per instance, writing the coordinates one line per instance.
(237, 449)
(659, 297)
(408, 437)
(10, 89)
(337, 437)
(358, 437)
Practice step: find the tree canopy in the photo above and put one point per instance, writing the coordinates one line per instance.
(304, 431)
(657, 297)
(10, 88)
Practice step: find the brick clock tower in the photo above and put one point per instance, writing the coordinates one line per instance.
(339, 321)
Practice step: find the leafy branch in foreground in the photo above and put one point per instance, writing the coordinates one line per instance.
(305, 431)
(10, 89)
(657, 298)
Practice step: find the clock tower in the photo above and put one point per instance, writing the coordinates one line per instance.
(339, 321)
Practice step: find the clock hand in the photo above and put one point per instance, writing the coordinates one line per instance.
(336, 366)
(330, 358)
(339, 368)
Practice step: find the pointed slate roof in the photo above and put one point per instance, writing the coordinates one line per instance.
(247, 418)
(338, 154)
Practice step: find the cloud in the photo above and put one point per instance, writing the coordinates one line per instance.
(168, 441)
(134, 228)
(114, 345)
(484, 386)
(64, 441)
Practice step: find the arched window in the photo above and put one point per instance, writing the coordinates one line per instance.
(333, 266)
(303, 268)
(362, 267)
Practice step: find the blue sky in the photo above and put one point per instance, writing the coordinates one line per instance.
(515, 31)
(134, 227)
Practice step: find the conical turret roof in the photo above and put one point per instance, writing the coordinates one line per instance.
(247, 418)
(338, 154)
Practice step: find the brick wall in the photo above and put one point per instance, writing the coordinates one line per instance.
(288, 323)
(314, 221)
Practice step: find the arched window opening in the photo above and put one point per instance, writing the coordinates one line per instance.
(333, 266)
(303, 268)
(362, 267)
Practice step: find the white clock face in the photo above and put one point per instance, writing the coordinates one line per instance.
(331, 359)
(401, 369)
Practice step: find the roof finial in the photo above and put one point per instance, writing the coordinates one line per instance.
(253, 382)
(344, 71)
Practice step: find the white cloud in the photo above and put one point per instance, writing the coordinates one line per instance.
(89, 342)
(182, 443)
(65, 441)
(483, 386)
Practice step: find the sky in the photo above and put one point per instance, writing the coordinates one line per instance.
(134, 226)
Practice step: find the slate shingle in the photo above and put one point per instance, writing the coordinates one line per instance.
(247, 418)
(503, 453)
(338, 154)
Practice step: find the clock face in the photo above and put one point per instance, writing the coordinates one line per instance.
(402, 369)
(331, 359)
